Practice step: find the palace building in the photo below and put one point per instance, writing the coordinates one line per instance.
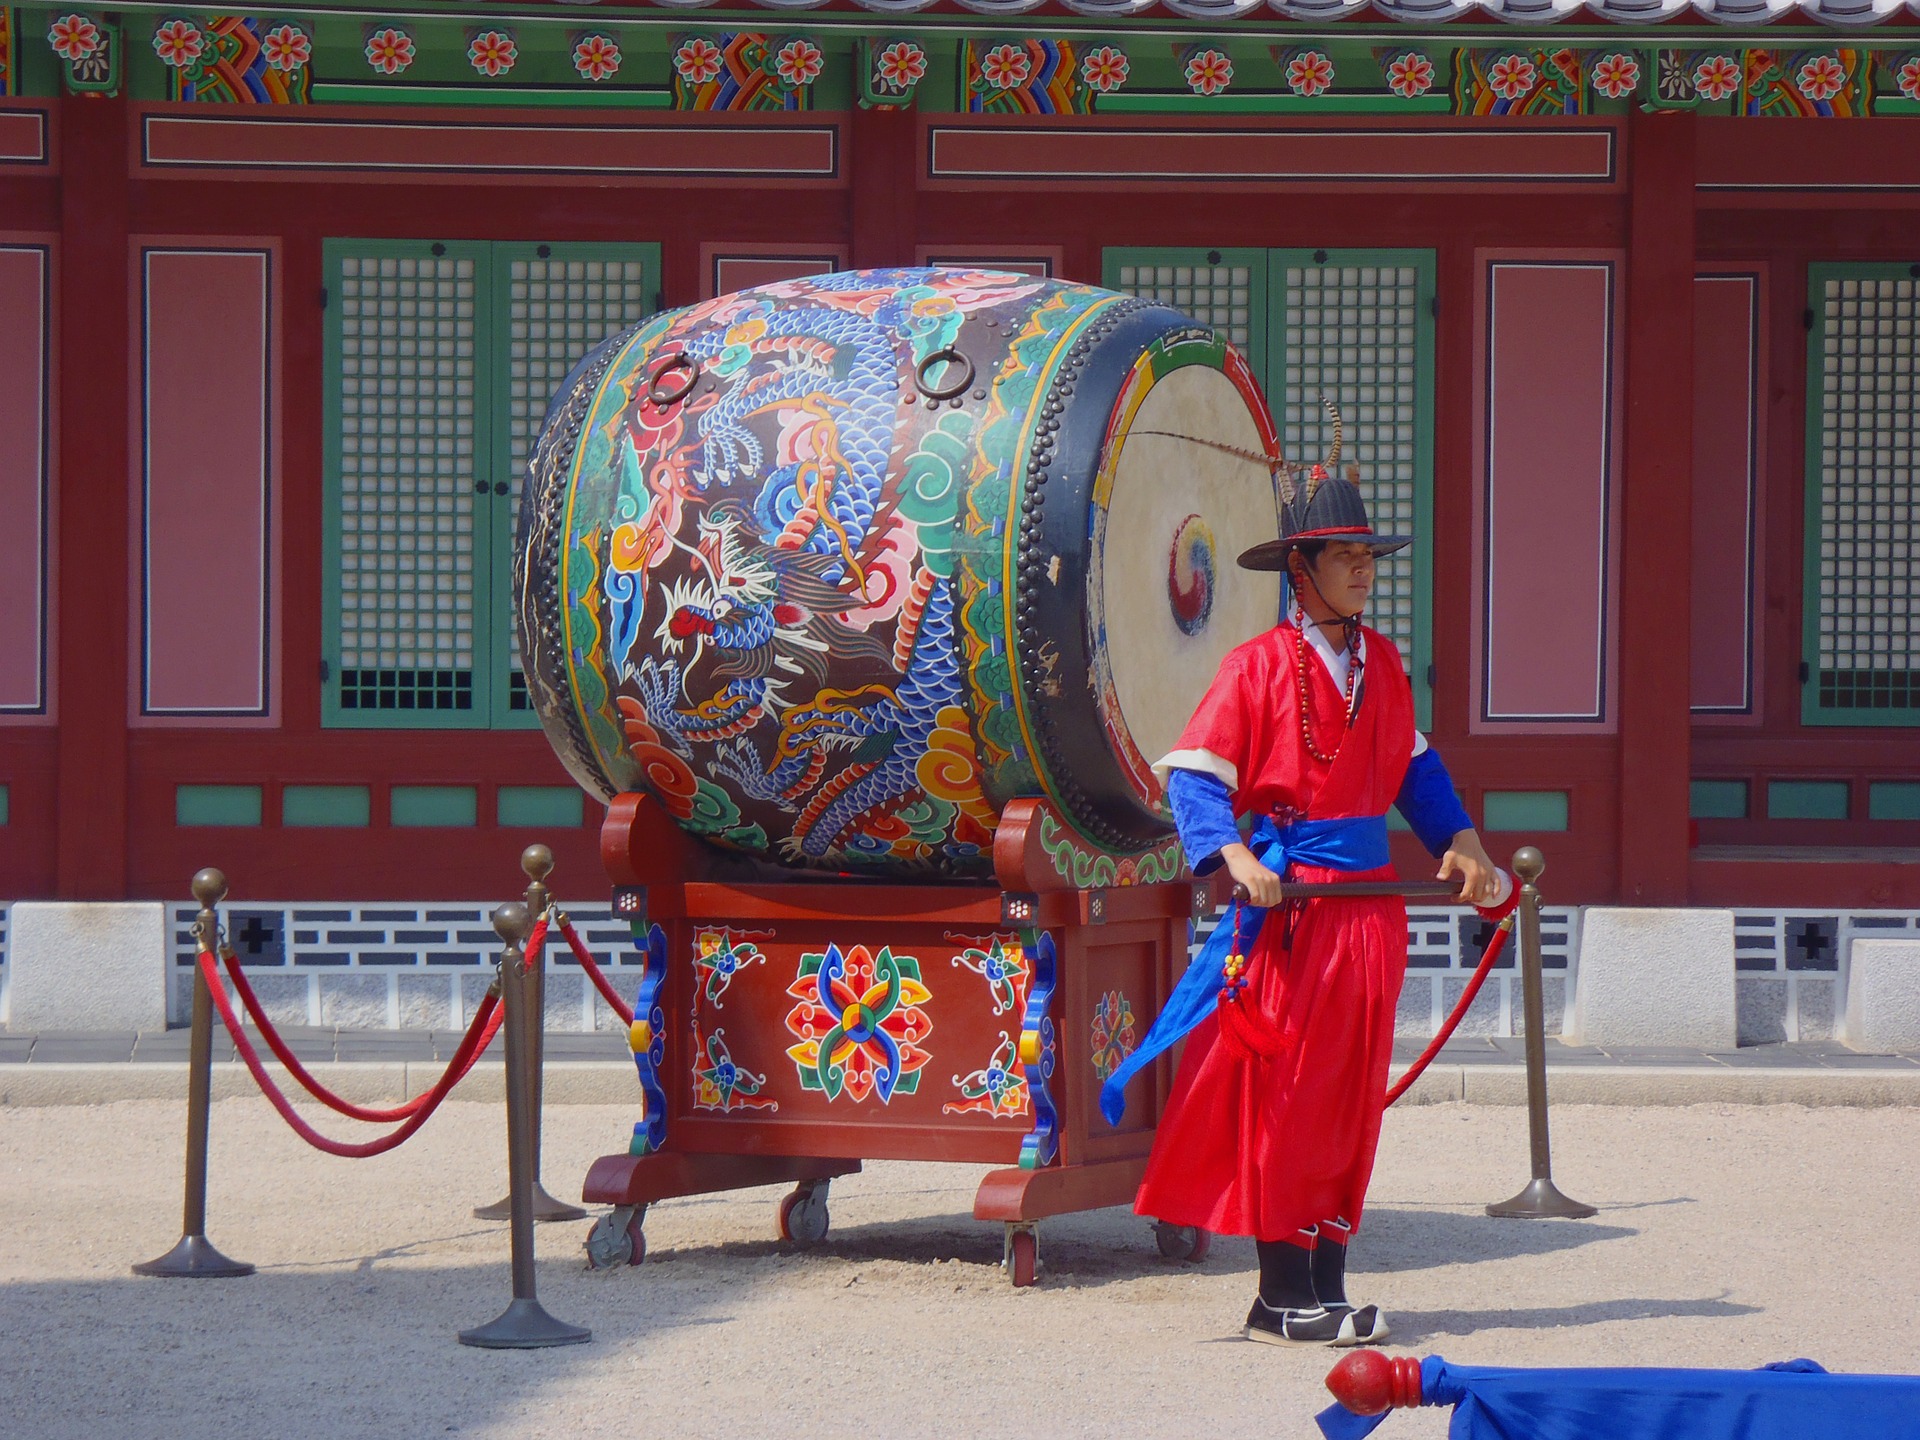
(1620, 302)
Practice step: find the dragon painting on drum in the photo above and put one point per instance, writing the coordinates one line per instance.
(837, 567)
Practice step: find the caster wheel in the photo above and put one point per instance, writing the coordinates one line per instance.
(1182, 1242)
(1022, 1257)
(803, 1216)
(618, 1238)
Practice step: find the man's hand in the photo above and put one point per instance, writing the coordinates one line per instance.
(1263, 886)
(1479, 877)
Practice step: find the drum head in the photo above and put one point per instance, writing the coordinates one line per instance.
(1174, 505)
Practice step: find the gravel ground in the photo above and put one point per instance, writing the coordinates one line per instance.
(1728, 1237)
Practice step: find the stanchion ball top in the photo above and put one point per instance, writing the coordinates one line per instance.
(1528, 863)
(537, 861)
(510, 922)
(210, 887)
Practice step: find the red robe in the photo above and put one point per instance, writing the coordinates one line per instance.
(1267, 1146)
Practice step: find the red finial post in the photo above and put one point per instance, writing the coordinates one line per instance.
(1368, 1382)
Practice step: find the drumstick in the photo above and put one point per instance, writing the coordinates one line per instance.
(1304, 890)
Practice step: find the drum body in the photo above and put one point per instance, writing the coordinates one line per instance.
(836, 567)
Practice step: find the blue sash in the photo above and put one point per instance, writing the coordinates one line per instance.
(1358, 843)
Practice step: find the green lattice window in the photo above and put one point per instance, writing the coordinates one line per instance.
(1357, 327)
(1862, 610)
(440, 361)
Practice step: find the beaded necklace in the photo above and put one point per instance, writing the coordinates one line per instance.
(1300, 673)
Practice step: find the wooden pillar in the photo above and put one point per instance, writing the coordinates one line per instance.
(92, 498)
(1656, 511)
(883, 186)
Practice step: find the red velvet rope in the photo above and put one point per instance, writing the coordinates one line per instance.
(1452, 1023)
(480, 1033)
(592, 967)
(424, 1105)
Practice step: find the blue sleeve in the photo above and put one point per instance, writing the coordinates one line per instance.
(1427, 801)
(1203, 813)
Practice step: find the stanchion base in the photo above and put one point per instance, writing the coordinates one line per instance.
(545, 1207)
(1541, 1200)
(525, 1325)
(194, 1258)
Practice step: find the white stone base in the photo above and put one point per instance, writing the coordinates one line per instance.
(1655, 977)
(77, 965)
(1883, 996)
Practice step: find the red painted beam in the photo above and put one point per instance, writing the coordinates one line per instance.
(1655, 718)
(90, 661)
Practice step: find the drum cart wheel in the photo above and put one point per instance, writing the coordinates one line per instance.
(618, 1238)
(803, 1214)
(1182, 1242)
(1020, 1255)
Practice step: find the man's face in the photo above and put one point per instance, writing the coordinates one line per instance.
(1344, 573)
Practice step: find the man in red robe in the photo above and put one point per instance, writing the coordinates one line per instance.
(1274, 1117)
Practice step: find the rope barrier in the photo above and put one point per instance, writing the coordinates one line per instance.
(416, 1112)
(592, 967)
(1460, 1008)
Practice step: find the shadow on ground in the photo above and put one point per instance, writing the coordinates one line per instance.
(1422, 1327)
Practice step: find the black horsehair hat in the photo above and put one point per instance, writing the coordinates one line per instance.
(1316, 503)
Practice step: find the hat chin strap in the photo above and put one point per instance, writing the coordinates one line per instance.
(1349, 624)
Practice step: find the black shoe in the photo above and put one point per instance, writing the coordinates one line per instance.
(1316, 1326)
(1364, 1325)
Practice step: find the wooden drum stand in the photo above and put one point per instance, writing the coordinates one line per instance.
(786, 1031)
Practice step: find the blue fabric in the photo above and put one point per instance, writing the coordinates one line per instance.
(1359, 843)
(1428, 802)
(1203, 814)
(1791, 1400)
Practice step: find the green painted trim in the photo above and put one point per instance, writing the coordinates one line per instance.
(1886, 800)
(573, 97)
(343, 805)
(1807, 799)
(436, 805)
(332, 714)
(1425, 263)
(4, 811)
(1717, 800)
(499, 447)
(216, 804)
(1535, 810)
(1142, 102)
(556, 805)
(1812, 712)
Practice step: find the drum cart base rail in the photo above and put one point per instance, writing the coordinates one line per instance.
(785, 1032)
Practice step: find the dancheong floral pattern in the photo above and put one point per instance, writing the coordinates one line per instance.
(1716, 77)
(1112, 1038)
(1907, 77)
(1821, 78)
(178, 43)
(721, 1084)
(493, 52)
(596, 58)
(1616, 76)
(1006, 67)
(1310, 74)
(719, 956)
(1104, 69)
(799, 63)
(287, 47)
(901, 66)
(1512, 76)
(996, 1088)
(73, 37)
(1209, 73)
(697, 61)
(390, 51)
(1410, 75)
(861, 1023)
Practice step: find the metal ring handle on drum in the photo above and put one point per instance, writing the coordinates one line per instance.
(678, 361)
(945, 354)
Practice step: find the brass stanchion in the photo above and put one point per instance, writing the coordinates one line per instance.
(525, 1323)
(1541, 1199)
(195, 1257)
(537, 862)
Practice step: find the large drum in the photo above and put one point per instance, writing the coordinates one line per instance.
(835, 568)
